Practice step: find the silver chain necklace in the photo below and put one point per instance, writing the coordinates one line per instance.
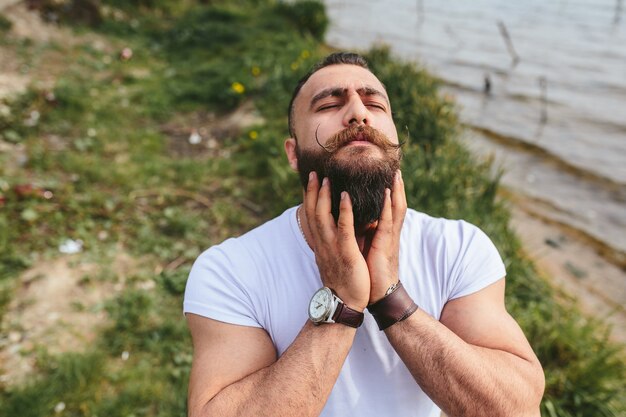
(300, 225)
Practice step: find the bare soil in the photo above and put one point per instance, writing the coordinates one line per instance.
(59, 305)
(573, 265)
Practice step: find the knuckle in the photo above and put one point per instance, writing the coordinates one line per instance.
(344, 233)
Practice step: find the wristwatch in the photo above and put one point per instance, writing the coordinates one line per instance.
(326, 307)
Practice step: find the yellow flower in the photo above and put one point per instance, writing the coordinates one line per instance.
(305, 54)
(256, 71)
(294, 66)
(237, 87)
(253, 134)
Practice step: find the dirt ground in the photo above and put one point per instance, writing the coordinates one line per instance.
(58, 304)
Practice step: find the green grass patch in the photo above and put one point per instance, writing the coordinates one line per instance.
(5, 24)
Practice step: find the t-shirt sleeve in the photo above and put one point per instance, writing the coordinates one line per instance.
(477, 263)
(217, 286)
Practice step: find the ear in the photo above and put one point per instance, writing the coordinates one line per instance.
(290, 150)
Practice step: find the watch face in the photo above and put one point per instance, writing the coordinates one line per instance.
(321, 304)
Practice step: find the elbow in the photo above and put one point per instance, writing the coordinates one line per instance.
(538, 387)
(529, 405)
(197, 411)
(204, 409)
(524, 402)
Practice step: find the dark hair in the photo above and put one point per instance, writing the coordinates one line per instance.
(336, 58)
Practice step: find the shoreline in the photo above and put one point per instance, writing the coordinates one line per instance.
(566, 260)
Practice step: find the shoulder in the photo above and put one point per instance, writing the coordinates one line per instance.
(241, 251)
(458, 253)
(437, 231)
(224, 282)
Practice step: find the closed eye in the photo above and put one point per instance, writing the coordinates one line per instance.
(377, 106)
(330, 106)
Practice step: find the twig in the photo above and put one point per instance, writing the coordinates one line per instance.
(180, 193)
(487, 84)
(543, 85)
(618, 12)
(421, 15)
(175, 263)
(509, 43)
(255, 208)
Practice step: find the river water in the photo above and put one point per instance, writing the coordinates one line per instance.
(554, 116)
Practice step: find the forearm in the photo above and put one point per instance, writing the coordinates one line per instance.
(463, 379)
(297, 384)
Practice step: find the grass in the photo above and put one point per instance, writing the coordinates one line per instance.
(110, 144)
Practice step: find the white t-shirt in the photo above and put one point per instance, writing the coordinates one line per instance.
(266, 278)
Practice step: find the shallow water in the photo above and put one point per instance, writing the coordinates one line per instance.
(573, 129)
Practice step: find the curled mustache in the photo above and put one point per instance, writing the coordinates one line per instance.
(360, 133)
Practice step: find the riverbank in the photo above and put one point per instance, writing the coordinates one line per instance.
(567, 260)
(571, 258)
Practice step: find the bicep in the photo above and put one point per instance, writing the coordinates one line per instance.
(481, 319)
(223, 354)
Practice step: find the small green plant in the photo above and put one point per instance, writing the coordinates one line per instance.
(5, 24)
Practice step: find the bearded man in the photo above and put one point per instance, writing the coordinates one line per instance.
(351, 304)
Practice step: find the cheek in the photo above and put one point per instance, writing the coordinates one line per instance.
(319, 131)
(389, 129)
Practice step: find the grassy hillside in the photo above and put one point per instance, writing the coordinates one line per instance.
(107, 155)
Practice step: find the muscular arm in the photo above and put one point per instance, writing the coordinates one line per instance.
(235, 371)
(476, 361)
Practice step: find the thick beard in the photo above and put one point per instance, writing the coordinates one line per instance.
(363, 171)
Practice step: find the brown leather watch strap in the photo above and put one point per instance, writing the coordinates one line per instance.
(349, 317)
(392, 308)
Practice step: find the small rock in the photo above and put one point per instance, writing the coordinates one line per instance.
(575, 271)
(59, 407)
(552, 242)
(15, 337)
(195, 137)
(126, 54)
(50, 97)
(70, 246)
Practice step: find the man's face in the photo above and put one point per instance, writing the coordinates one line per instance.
(336, 97)
(345, 131)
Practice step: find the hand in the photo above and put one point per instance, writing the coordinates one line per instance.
(341, 264)
(383, 251)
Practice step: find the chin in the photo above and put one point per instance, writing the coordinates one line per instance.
(360, 150)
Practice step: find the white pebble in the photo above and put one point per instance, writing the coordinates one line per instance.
(59, 407)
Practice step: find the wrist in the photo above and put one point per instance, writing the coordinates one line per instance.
(396, 306)
(351, 301)
(328, 307)
(381, 291)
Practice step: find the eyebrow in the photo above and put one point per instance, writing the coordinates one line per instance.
(340, 92)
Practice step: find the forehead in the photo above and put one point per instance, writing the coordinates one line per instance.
(339, 76)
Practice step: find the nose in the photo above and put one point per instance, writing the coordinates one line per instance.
(356, 112)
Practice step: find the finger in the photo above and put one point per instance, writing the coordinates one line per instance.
(323, 216)
(398, 202)
(310, 201)
(384, 230)
(345, 224)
